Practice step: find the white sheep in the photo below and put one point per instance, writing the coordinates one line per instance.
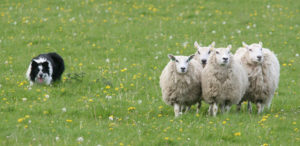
(180, 82)
(263, 71)
(203, 53)
(224, 81)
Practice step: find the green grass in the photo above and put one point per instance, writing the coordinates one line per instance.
(136, 36)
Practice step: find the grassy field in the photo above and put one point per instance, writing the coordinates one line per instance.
(114, 53)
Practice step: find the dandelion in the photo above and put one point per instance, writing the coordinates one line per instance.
(21, 120)
(111, 117)
(297, 55)
(47, 96)
(121, 144)
(166, 138)
(224, 122)
(284, 64)
(124, 69)
(24, 99)
(140, 101)
(107, 87)
(56, 138)
(265, 144)
(237, 134)
(294, 123)
(80, 64)
(131, 109)
(64, 109)
(69, 121)
(80, 139)
(107, 60)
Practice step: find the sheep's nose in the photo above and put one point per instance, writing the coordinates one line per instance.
(225, 58)
(259, 57)
(182, 69)
(203, 61)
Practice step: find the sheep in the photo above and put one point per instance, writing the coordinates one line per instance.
(224, 81)
(180, 83)
(203, 53)
(263, 71)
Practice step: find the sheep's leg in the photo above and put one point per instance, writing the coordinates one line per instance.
(213, 109)
(238, 106)
(210, 109)
(198, 107)
(260, 107)
(227, 108)
(182, 107)
(222, 107)
(176, 109)
(249, 107)
(187, 109)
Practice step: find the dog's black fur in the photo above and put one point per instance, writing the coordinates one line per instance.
(53, 60)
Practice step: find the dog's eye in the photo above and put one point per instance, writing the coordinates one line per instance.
(208, 52)
(217, 52)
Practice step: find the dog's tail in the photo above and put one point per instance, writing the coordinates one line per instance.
(60, 65)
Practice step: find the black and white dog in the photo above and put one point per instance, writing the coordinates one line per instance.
(45, 68)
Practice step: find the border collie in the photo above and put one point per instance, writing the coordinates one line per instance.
(45, 68)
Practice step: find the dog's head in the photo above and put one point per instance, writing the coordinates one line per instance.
(40, 71)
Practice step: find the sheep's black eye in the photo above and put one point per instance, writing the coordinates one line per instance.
(250, 50)
(217, 52)
(198, 52)
(208, 52)
(176, 60)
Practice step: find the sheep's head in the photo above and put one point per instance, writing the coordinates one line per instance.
(181, 62)
(203, 52)
(223, 55)
(255, 52)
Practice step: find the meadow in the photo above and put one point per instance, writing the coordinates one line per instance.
(114, 53)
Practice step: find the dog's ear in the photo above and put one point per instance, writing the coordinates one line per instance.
(33, 64)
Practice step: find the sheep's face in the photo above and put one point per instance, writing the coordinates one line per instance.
(255, 52)
(181, 62)
(203, 52)
(223, 55)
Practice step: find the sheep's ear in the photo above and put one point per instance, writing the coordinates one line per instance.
(171, 57)
(212, 45)
(190, 58)
(229, 47)
(196, 45)
(260, 43)
(245, 45)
